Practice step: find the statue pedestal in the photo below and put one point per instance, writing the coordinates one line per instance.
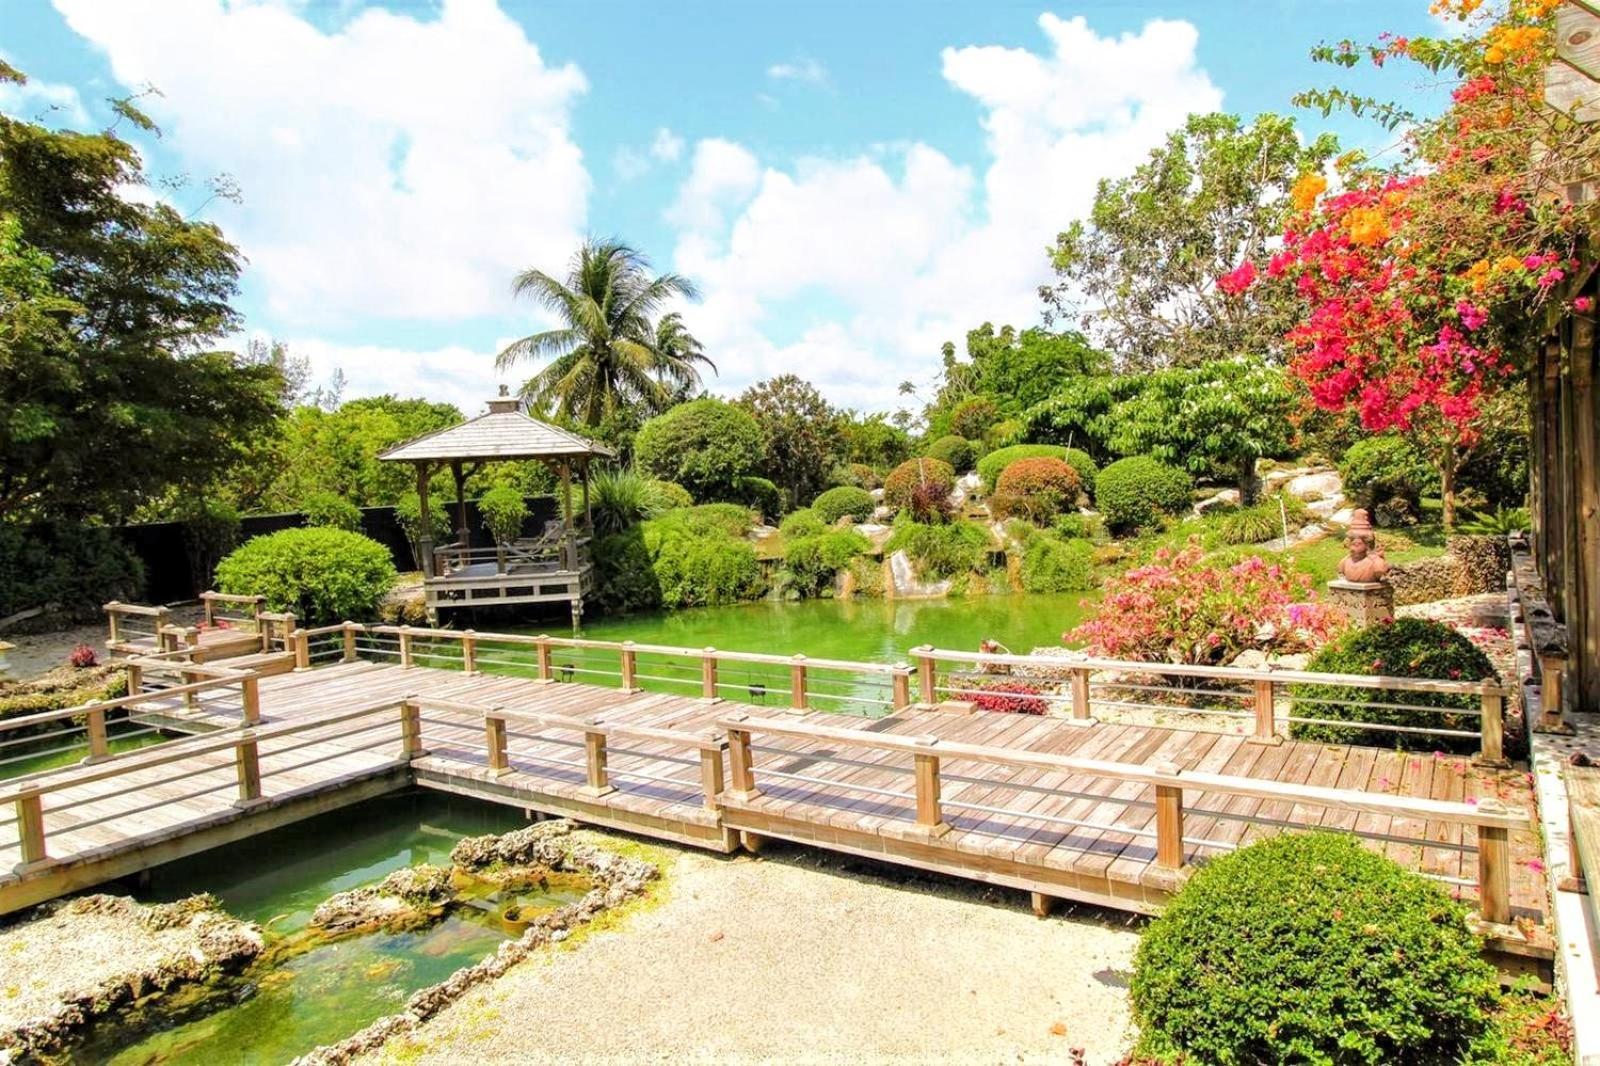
(1364, 602)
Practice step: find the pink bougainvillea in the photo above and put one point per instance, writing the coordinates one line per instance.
(1010, 697)
(1178, 609)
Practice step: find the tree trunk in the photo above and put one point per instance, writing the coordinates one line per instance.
(1448, 462)
(1249, 484)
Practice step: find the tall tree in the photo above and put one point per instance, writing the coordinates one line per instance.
(803, 435)
(608, 352)
(1142, 273)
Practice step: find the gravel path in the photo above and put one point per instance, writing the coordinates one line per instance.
(805, 957)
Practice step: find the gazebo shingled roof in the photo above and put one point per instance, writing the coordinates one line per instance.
(506, 432)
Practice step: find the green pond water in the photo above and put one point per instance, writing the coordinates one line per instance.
(326, 993)
(52, 750)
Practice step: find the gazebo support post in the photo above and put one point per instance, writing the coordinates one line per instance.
(588, 505)
(424, 522)
(568, 554)
(461, 501)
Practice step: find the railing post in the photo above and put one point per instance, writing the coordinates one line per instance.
(594, 754)
(544, 658)
(411, 729)
(135, 678)
(1492, 725)
(925, 676)
(1169, 824)
(30, 827)
(741, 771)
(711, 770)
(797, 682)
(708, 674)
(1552, 712)
(209, 599)
(1266, 731)
(1081, 710)
(95, 727)
(1494, 873)
(250, 699)
(247, 761)
(405, 645)
(302, 650)
(289, 623)
(162, 622)
(902, 686)
(113, 621)
(469, 651)
(930, 818)
(350, 642)
(494, 740)
(630, 666)
(191, 698)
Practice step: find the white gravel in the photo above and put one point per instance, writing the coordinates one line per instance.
(802, 956)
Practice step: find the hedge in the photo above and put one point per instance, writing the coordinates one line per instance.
(813, 561)
(1050, 564)
(1134, 493)
(321, 575)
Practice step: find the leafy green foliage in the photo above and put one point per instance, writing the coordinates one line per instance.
(857, 475)
(1037, 489)
(1260, 522)
(957, 451)
(77, 568)
(729, 519)
(1311, 948)
(1051, 564)
(625, 572)
(326, 509)
(992, 465)
(1495, 472)
(941, 551)
(874, 441)
(321, 575)
(972, 417)
(802, 435)
(813, 561)
(621, 497)
(1134, 493)
(1377, 469)
(919, 486)
(700, 557)
(1497, 523)
(210, 529)
(843, 500)
(1404, 647)
(336, 451)
(408, 512)
(671, 494)
(504, 511)
(760, 495)
(705, 445)
(802, 523)
(1078, 413)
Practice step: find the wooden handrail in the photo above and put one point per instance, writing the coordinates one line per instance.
(116, 607)
(130, 700)
(232, 597)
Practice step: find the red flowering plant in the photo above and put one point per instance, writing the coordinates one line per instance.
(1009, 697)
(1178, 609)
(1422, 288)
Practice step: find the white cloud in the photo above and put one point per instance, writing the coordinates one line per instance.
(909, 248)
(667, 146)
(804, 69)
(52, 104)
(451, 374)
(395, 167)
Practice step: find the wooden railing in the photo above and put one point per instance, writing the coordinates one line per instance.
(1086, 688)
(929, 766)
(1542, 638)
(127, 623)
(215, 607)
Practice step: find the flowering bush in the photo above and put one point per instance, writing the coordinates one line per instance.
(1008, 697)
(82, 657)
(1178, 609)
(1037, 489)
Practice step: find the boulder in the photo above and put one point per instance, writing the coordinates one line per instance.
(1320, 485)
(1326, 507)
(1225, 499)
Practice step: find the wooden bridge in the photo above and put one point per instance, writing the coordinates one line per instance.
(1144, 772)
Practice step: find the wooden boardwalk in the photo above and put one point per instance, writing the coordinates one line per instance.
(1038, 803)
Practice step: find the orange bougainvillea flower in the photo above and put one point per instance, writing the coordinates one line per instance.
(1306, 190)
(1367, 226)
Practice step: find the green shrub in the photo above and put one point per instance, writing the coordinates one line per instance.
(74, 568)
(625, 575)
(1037, 489)
(408, 512)
(760, 495)
(1134, 493)
(504, 511)
(728, 519)
(813, 561)
(919, 485)
(1053, 565)
(973, 417)
(1378, 469)
(329, 510)
(843, 500)
(704, 570)
(1004, 434)
(705, 445)
(941, 551)
(1078, 526)
(321, 575)
(992, 465)
(670, 494)
(1497, 523)
(210, 530)
(621, 497)
(1312, 949)
(1259, 522)
(1404, 647)
(802, 523)
(957, 451)
(1084, 464)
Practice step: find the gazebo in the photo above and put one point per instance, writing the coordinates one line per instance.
(553, 565)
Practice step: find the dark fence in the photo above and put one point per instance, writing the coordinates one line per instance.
(160, 545)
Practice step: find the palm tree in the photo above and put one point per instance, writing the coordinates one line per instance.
(679, 351)
(609, 353)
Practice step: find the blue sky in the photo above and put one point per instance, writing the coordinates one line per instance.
(849, 183)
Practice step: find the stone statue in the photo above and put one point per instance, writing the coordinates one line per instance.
(1365, 563)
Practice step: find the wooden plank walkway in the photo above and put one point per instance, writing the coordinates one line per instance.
(338, 734)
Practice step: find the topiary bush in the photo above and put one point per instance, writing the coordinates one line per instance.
(843, 500)
(321, 575)
(671, 494)
(1084, 464)
(812, 562)
(1310, 948)
(1404, 647)
(802, 523)
(918, 485)
(504, 511)
(957, 451)
(941, 551)
(1377, 470)
(331, 511)
(705, 445)
(1053, 565)
(991, 465)
(1036, 489)
(1134, 493)
(760, 495)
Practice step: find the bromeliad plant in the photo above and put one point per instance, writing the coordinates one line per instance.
(1178, 609)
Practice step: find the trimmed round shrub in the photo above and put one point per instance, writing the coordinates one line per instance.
(941, 551)
(1084, 464)
(843, 500)
(992, 465)
(504, 511)
(957, 451)
(329, 510)
(919, 482)
(671, 494)
(759, 494)
(1310, 948)
(705, 445)
(321, 575)
(973, 417)
(802, 523)
(1037, 489)
(1051, 565)
(1134, 493)
(813, 561)
(1404, 647)
(1376, 470)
